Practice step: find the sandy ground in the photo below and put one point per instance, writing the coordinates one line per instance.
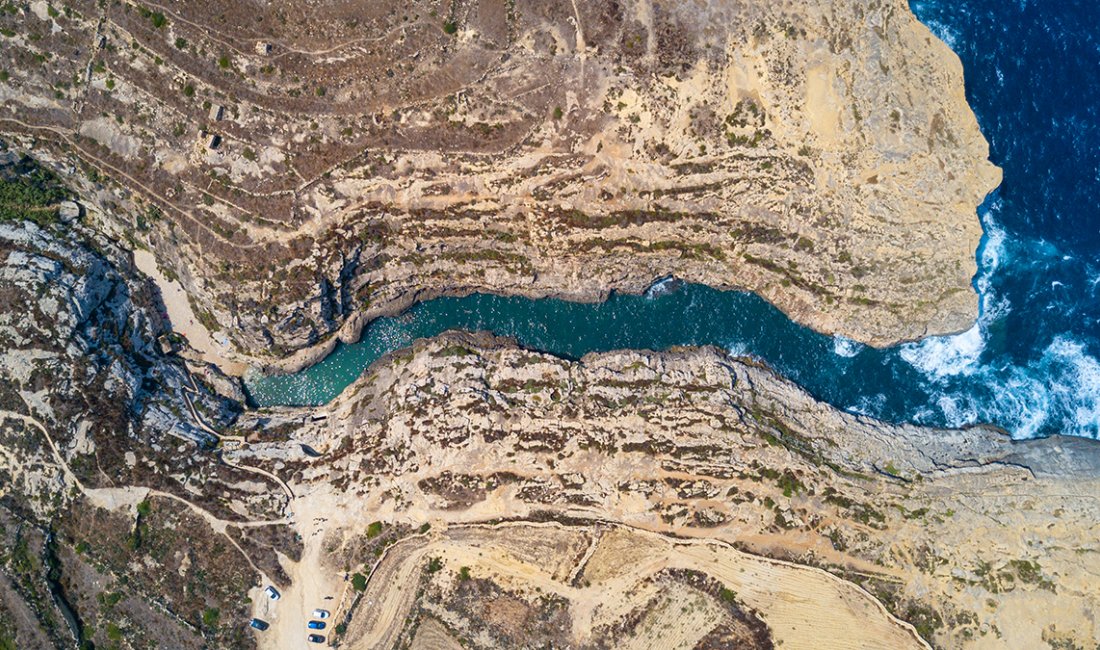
(312, 586)
(183, 318)
(804, 607)
(433, 636)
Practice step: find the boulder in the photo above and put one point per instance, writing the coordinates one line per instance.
(69, 211)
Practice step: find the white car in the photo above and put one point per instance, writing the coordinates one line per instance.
(272, 593)
(320, 613)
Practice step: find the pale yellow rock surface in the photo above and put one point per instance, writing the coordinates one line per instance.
(820, 154)
(640, 463)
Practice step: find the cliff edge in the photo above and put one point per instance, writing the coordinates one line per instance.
(303, 172)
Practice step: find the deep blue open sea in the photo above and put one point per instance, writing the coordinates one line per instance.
(1032, 362)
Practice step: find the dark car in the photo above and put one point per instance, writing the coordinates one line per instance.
(315, 638)
(258, 624)
(316, 625)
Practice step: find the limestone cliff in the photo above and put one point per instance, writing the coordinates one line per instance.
(468, 490)
(302, 172)
(684, 460)
(116, 514)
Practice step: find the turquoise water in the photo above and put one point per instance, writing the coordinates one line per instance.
(1031, 363)
(664, 317)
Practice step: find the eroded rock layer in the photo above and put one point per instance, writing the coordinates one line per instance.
(303, 171)
(972, 539)
(468, 493)
(119, 526)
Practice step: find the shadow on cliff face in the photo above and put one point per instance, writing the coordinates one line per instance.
(112, 483)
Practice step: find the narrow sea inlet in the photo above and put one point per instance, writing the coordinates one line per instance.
(898, 384)
(1030, 364)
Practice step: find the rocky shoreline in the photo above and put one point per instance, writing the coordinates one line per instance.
(967, 538)
(466, 492)
(750, 146)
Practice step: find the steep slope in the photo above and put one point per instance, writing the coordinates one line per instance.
(118, 519)
(302, 172)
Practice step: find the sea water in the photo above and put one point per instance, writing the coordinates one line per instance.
(1031, 363)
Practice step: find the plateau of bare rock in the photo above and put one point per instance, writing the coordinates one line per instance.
(468, 493)
(301, 172)
(192, 188)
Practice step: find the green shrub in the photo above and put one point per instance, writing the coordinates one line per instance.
(210, 616)
(359, 582)
(790, 484)
(157, 18)
(31, 197)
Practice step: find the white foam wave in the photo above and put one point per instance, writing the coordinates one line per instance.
(939, 357)
(1093, 275)
(943, 33)
(927, 416)
(739, 349)
(994, 249)
(1020, 402)
(869, 405)
(662, 287)
(957, 411)
(1057, 393)
(846, 348)
(1075, 385)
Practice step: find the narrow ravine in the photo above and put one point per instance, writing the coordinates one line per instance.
(1031, 364)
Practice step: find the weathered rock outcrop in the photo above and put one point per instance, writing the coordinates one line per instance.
(302, 172)
(500, 490)
(75, 344)
(117, 517)
(975, 540)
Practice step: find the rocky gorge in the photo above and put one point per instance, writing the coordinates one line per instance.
(821, 155)
(444, 455)
(292, 179)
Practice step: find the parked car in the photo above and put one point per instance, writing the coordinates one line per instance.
(315, 638)
(272, 593)
(321, 614)
(258, 624)
(316, 625)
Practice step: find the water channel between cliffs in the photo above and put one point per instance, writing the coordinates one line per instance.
(1031, 364)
